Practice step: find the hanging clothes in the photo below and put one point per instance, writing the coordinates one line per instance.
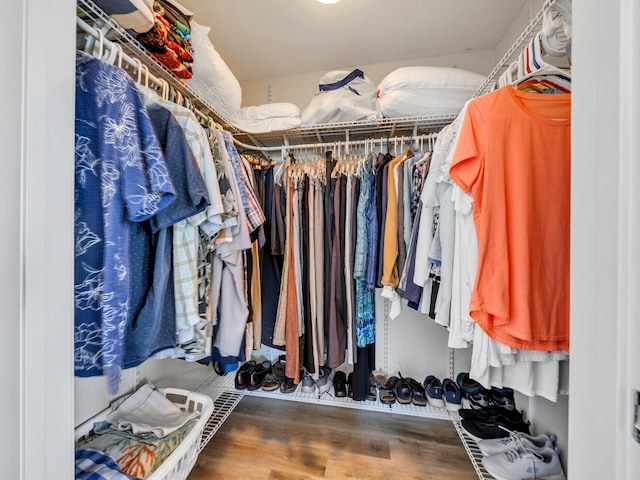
(151, 325)
(120, 178)
(518, 298)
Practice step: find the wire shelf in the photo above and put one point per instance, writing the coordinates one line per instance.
(475, 455)
(224, 402)
(97, 18)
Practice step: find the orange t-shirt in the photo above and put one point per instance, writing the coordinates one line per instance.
(514, 155)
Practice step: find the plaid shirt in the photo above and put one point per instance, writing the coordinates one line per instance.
(255, 215)
(95, 465)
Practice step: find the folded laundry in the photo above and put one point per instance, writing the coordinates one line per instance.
(148, 410)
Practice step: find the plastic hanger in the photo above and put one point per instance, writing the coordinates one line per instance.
(533, 67)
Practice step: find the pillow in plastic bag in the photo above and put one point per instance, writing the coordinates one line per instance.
(417, 91)
(270, 117)
(343, 97)
(268, 110)
(212, 78)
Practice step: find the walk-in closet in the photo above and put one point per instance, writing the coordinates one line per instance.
(285, 239)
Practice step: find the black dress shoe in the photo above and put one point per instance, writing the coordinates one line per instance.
(242, 375)
(257, 374)
(340, 384)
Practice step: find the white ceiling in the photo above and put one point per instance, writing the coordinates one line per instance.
(270, 38)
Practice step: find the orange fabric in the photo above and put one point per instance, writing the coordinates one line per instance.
(292, 350)
(514, 155)
(390, 275)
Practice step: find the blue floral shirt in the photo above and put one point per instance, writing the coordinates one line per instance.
(120, 177)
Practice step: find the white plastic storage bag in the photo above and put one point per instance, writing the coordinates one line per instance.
(270, 117)
(416, 91)
(212, 78)
(343, 97)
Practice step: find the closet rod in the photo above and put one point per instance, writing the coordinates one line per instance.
(371, 141)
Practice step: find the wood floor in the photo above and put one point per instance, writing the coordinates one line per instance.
(266, 439)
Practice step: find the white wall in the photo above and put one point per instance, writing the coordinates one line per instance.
(299, 89)
(519, 23)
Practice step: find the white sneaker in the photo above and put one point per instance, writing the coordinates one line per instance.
(325, 380)
(308, 383)
(494, 446)
(525, 465)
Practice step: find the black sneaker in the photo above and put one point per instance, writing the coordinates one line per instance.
(491, 412)
(503, 397)
(480, 399)
(495, 427)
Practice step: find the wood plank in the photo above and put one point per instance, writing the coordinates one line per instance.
(266, 439)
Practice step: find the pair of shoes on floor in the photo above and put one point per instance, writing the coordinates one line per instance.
(250, 375)
(522, 456)
(445, 394)
(492, 422)
(480, 397)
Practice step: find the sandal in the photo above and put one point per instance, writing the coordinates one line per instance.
(271, 382)
(401, 390)
(386, 394)
(418, 394)
(372, 394)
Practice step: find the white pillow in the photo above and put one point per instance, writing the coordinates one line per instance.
(352, 102)
(212, 78)
(415, 91)
(266, 125)
(270, 117)
(268, 110)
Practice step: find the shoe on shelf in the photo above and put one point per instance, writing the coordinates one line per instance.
(325, 380)
(433, 389)
(308, 383)
(418, 393)
(242, 375)
(503, 397)
(490, 412)
(386, 394)
(339, 384)
(525, 464)
(480, 399)
(257, 374)
(401, 390)
(515, 440)
(372, 394)
(279, 367)
(467, 385)
(483, 428)
(287, 385)
(452, 395)
(271, 382)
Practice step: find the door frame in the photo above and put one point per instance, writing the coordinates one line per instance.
(605, 235)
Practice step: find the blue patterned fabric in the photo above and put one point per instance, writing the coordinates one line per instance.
(365, 314)
(120, 177)
(95, 465)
